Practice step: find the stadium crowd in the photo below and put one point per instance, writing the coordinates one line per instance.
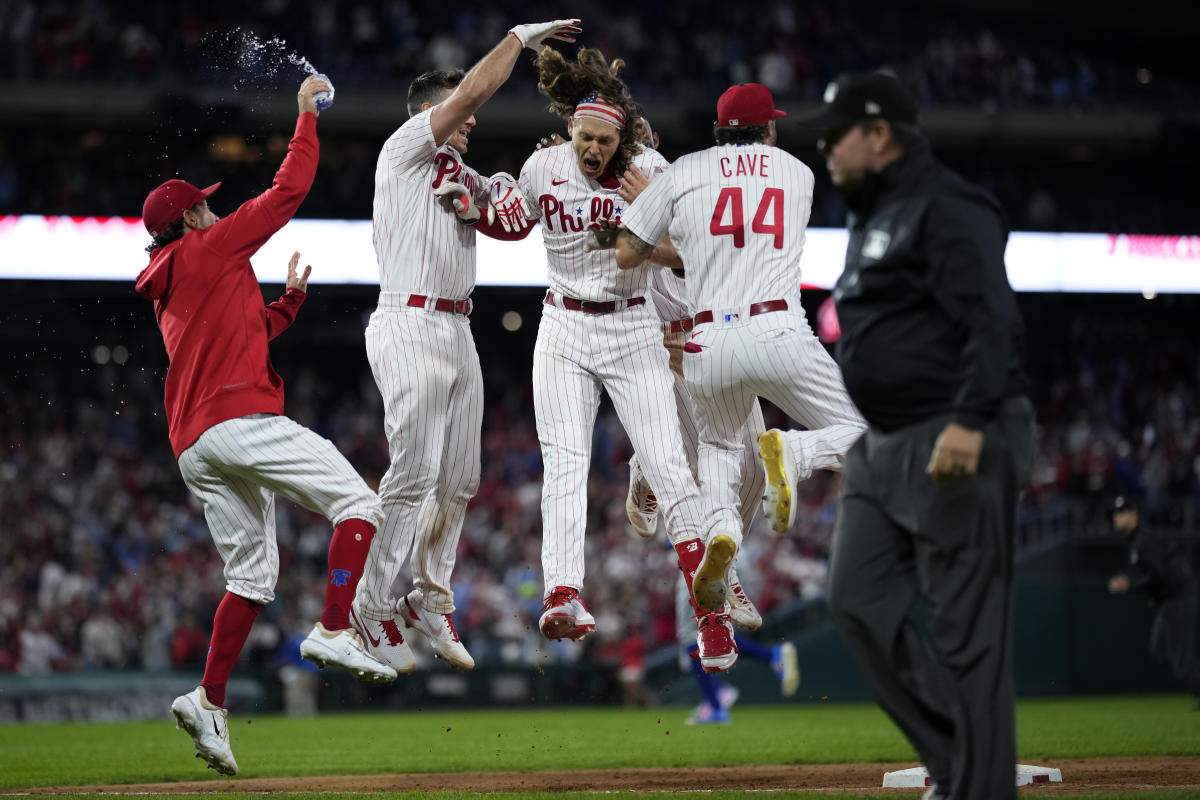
(795, 48)
(106, 562)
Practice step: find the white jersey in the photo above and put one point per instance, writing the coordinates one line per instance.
(670, 294)
(566, 201)
(420, 248)
(737, 215)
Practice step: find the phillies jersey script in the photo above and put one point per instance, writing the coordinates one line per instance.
(752, 203)
(566, 203)
(422, 249)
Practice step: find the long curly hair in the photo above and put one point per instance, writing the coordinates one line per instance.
(567, 83)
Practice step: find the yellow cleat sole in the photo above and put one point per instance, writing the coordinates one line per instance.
(709, 586)
(777, 504)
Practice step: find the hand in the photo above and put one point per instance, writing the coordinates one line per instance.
(602, 234)
(534, 34)
(1118, 584)
(955, 453)
(549, 141)
(506, 202)
(304, 98)
(295, 281)
(632, 183)
(455, 197)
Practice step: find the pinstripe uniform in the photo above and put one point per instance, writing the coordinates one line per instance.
(236, 468)
(737, 217)
(670, 298)
(426, 367)
(579, 353)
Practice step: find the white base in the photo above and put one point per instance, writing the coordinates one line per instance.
(918, 777)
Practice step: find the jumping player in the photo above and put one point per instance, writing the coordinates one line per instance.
(736, 214)
(421, 350)
(236, 449)
(669, 293)
(598, 332)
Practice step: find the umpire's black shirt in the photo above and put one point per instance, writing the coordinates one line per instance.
(1158, 565)
(929, 322)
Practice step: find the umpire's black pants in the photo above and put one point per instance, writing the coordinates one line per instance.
(901, 537)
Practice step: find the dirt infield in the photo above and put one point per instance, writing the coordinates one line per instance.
(1090, 774)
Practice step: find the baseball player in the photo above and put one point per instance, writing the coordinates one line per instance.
(736, 214)
(421, 350)
(641, 504)
(235, 447)
(599, 332)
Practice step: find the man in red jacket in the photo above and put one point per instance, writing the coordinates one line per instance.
(225, 419)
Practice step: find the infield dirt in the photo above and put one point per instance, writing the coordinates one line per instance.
(1089, 774)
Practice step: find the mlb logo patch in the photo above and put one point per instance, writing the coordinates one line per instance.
(876, 244)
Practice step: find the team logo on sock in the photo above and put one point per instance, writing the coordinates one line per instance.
(339, 577)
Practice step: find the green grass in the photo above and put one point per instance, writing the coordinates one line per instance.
(585, 738)
(617, 795)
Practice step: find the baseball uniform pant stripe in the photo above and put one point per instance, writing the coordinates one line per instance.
(235, 469)
(578, 354)
(428, 373)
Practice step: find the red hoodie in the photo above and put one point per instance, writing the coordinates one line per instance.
(210, 308)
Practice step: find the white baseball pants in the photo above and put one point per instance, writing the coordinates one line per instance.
(427, 370)
(753, 479)
(578, 354)
(236, 468)
(775, 356)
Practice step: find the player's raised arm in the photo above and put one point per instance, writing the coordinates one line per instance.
(491, 71)
(282, 313)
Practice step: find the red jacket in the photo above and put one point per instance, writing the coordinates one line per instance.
(210, 308)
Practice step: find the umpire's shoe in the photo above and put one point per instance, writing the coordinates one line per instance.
(344, 649)
(208, 727)
(710, 586)
(779, 463)
(383, 640)
(439, 630)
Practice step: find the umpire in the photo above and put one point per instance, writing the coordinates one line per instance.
(1159, 566)
(931, 350)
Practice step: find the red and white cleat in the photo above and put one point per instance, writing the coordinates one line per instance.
(564, 616)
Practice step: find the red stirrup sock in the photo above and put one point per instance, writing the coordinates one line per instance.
(690, 553)
(231, 625)
(347, 553)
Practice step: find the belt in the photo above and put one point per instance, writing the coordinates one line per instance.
(755, 309)
(681, 325)
(441, 304)
(593, 306)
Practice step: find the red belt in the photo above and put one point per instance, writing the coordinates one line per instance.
(681, 325)
(441, 304)
(755, 310)
(593, 306)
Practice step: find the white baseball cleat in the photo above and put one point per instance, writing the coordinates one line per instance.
(345, 649)
(384, 641)
(710, 585)
(208, 726)
(786, 667)
(641, 506)
(779, 463)
(741, 607)
(440, 630)
(564, 616)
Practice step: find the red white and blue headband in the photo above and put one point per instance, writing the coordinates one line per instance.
(595, 107)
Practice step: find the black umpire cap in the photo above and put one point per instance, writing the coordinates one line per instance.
(1124, 503)
(856, 96)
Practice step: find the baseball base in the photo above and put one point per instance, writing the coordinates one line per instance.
(918, 777)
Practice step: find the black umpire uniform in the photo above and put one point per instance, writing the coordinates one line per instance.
(930, 335)
(1159, 566)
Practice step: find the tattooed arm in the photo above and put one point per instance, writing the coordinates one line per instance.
(632, 251)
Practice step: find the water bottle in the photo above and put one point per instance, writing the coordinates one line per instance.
(324, 99)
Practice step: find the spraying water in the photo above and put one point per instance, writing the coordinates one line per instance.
(257, 58)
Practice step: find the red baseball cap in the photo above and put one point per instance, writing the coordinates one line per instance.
(746, 104)
(167, 203)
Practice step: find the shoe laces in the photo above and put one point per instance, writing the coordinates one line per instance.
(647, 503)
(561, 596)
(392, 631)
(450, 627)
